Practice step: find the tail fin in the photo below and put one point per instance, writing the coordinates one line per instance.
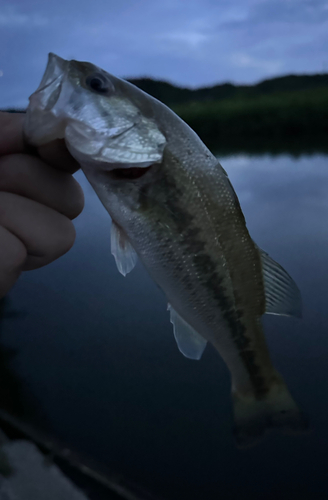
(276, 410)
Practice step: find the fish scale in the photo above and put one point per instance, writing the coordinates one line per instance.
(213, 306)
(172, 204)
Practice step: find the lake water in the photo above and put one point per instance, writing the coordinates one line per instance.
(100, 369)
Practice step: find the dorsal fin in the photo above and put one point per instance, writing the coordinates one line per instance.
(282, 295)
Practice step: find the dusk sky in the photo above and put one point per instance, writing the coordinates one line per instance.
(190, 43)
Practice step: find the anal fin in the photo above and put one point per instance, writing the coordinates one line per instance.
(190, 343)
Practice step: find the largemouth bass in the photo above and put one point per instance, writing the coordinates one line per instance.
(172, 204)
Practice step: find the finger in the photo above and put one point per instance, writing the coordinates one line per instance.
(30, 177)
(12, 258)
(45, 233)
(12, 140)
(11, 133)
(56, 154)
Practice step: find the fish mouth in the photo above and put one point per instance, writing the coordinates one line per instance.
(49, 117)
(52, 83)
(130, 173)
(44, 121)
(56, 68)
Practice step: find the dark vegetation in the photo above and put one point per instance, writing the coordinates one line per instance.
(288, 113)
(171, 95)
(284, 114)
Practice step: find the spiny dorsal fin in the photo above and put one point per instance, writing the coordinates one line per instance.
(282, 295)
(190, 343)
(124, 253)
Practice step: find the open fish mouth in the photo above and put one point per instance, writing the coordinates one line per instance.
(50, 89)
(131, 173)
(45, 120)
(56, 68)
(48, 84)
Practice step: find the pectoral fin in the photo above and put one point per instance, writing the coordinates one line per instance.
(124, 253)
(282, 295)
(190, 343)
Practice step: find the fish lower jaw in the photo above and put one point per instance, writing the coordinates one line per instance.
(43, 128)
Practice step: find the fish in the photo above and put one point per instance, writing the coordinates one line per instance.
(173, 206)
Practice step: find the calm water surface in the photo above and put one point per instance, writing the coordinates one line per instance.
(97, 359)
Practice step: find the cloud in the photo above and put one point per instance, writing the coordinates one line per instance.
(191, 39)
(245, 61)
(11, 17)
(194, 43)
(290, 11)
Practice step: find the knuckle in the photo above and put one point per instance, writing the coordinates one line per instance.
(4, 202)
(13, 252)
(5, 169)
(18, 256)
(65, 238)
(78, 200)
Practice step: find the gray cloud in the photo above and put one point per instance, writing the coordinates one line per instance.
(190, 43)
(291, 12)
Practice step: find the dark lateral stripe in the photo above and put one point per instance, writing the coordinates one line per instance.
(205, 266)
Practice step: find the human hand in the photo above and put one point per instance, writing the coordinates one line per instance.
(38, 199)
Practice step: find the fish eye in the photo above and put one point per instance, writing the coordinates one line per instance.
(98, 83)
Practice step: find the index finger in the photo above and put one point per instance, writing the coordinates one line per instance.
(56, 154)
(11, 133)
(12, 141)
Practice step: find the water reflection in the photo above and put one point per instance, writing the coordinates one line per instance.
(12, 389)
(252, 144)
(97, 351)
(10, 392)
